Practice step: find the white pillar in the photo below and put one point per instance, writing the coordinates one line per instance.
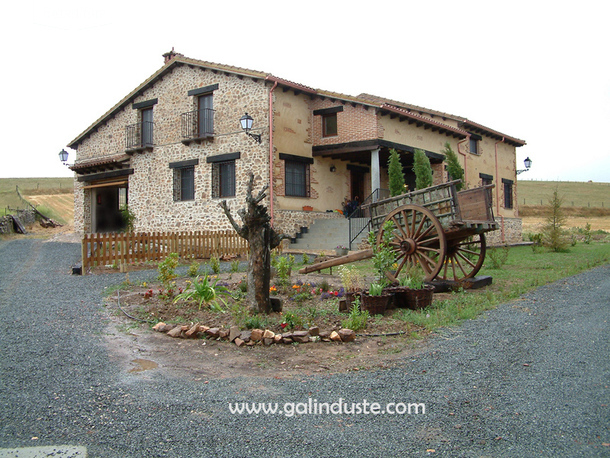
(375, 171)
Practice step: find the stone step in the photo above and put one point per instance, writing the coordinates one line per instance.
(326, 234)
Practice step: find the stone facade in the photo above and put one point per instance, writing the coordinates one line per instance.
(510, 232)
(289, 118)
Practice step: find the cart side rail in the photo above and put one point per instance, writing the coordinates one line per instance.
(441, 200)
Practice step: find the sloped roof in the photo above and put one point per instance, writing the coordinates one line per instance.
(464, 123)
(397, 108)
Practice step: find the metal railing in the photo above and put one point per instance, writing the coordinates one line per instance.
(360, 218)
(198, 124)
(139, 135)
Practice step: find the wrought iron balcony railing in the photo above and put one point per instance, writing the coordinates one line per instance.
(197, 125)
(139, 136)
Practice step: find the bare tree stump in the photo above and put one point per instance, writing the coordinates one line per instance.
(262, 238)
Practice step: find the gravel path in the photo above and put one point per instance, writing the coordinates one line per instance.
(528, 379)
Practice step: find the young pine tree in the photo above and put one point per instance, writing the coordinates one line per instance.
(454, 169)
(422, 169)
(396, 175)
(553, 234)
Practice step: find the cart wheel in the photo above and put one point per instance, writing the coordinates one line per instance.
(418, 238)
(464, 258)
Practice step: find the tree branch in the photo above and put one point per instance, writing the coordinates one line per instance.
(241, 230)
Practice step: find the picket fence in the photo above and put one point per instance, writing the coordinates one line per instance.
(128, 248)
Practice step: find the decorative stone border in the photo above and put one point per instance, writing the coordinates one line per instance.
(255, 336)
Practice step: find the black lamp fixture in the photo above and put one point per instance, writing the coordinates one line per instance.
(246, 122)
(333, 168)
(528, 163)
(63, 157)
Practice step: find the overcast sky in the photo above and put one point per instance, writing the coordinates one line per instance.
(535, 70)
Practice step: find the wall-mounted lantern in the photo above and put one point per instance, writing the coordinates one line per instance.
(247, 122)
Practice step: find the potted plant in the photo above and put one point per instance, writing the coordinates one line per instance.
(341, 250)
(412, 291)
(375, 300)
(307, 208)
(352, 282)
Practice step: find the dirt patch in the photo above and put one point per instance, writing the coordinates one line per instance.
(535, 223)
(201, 358)
(62, 205)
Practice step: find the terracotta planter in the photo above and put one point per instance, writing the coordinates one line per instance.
(376, 305)
(307, 208)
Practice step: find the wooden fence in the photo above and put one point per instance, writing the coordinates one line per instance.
(127, 248)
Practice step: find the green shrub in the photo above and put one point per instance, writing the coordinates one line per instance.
(422, 169)
(167, 268)
(215, 264)
(255, 322)
(235, 266)
(498, 256)
(204, 293)
(396, 175)
(356, 319)
(305, 259)
(292, 320)
(193, 269)
(454, 169)
(283, 268)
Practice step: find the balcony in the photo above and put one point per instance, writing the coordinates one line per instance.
(197, 126)
(139, 137)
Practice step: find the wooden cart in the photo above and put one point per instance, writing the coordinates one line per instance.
(439, 228)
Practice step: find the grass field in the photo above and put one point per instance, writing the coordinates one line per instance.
(52, 194)
(574, 194)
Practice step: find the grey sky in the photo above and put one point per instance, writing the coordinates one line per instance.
(533, 70)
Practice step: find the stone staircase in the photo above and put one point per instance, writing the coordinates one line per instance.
(326, 234)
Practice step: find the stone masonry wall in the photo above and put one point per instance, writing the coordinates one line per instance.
(150, 193)
(513, 228)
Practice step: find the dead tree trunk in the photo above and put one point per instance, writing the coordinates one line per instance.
(262, 238)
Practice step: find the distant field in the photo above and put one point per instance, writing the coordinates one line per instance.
(37, 185)
(574, 194)
(53, 194)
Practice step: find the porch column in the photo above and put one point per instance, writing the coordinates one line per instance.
(375, 173)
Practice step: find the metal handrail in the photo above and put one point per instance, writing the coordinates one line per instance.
(357, 217)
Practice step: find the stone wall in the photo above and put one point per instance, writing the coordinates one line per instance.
(150, 192)
(510, 232)
(27, 218)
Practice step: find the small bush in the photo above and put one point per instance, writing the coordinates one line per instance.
(193, 269)
(255, 322)
(283, 268)
(215, 264)
(167, 268)
(356, 319)
(291, 321)
(235, 266)
(305, 259)
(498, 256)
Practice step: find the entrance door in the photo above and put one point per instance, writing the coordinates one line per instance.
(108, 217)
(357, 185)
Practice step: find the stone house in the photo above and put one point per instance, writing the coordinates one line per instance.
(173, 149)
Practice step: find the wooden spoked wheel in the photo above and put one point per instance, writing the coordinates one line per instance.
(464, 258)
(418, 238)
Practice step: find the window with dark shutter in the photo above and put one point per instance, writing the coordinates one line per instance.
(297, 178)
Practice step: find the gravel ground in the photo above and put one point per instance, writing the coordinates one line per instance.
(528, 379)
